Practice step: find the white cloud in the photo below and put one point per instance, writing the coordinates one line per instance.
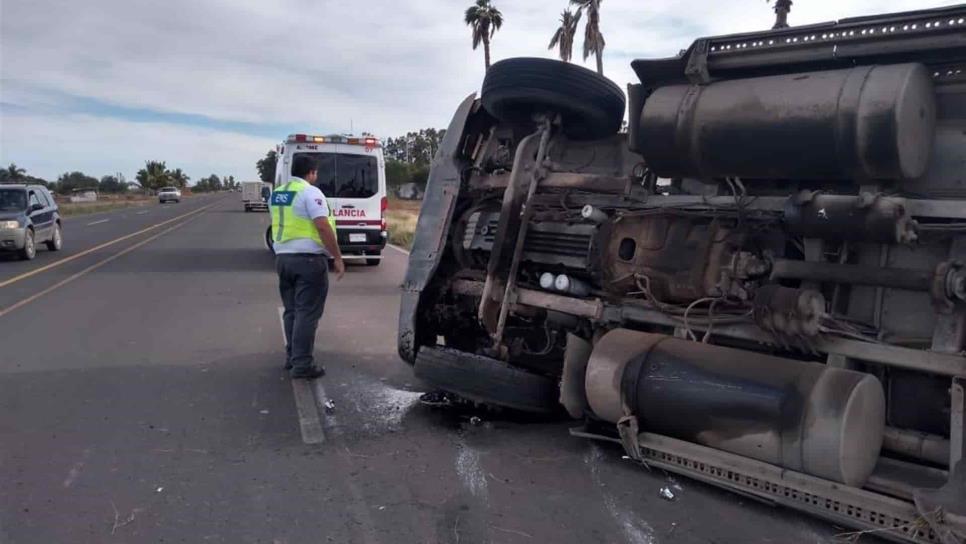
(386, 66)
(98, 146)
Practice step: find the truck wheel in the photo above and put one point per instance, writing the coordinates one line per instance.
(374, 262)
(591, 105)
(486, 380)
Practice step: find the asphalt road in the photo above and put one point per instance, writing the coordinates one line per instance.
(142, 400)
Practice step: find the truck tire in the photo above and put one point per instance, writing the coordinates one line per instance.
(485, 380)
(591, 105)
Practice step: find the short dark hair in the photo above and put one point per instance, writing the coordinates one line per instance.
(302, 165)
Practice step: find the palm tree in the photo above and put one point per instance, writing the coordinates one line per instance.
(154, 175)
(564, 36)
(13, 172)
(485, 20)
(179, 178)
(782, 8)
(593, 39)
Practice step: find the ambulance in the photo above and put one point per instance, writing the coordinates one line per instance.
(352, 176)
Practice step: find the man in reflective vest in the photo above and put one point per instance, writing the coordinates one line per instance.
(303, 236)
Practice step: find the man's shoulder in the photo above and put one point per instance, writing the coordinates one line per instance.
(313, 191)
(314, 194)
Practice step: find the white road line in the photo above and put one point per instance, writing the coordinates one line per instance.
(310, 423)
(98, 222)
(399, 249)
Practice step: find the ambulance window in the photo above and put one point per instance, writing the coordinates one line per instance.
(345, 175)
(357, 176)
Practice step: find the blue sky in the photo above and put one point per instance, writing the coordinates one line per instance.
(210, 85)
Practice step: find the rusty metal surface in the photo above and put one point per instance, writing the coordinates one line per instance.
(502, 252)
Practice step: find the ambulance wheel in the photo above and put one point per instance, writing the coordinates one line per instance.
(590, 105)
(374, 262)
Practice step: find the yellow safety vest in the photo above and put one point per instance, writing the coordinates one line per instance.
(285, 224)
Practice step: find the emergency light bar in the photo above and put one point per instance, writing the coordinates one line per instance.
(305, 138)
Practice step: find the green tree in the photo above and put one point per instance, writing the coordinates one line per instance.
(485, 20)
(397, 172)
(593, 38)
(563, 38)
(415, 147)
(70, 181)
(113, 184)
(154, 175)
(266, 167)
(782, 9)
(208, 184)
(12, 173)
(179, 178)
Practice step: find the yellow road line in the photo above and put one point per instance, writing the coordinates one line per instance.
(66, 260)
(95, 266)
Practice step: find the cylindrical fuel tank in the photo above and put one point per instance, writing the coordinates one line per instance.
(807, 417)
(859, 218)
(867, 122)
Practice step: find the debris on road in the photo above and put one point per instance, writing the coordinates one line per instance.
(437, 399)
(667, 494)
(329, 406)
(476, 421)
(263, 412)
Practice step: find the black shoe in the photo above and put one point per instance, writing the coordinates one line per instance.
(310, 373)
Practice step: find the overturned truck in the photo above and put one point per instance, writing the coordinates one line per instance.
(760, 284)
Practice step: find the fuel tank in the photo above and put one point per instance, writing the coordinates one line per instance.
(807, 417)
(866, 122)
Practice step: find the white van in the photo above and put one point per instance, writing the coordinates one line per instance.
(352, 176)
(253, 195)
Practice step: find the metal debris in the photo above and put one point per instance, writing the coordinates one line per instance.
(666, 493)
(437, 399)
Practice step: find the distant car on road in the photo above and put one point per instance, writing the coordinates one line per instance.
(168, 194)
(28, 216)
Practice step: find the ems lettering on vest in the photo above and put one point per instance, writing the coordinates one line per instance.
(283, 198)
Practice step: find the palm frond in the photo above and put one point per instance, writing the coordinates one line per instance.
(556, 38)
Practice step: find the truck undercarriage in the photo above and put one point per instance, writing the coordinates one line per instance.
(761, 284)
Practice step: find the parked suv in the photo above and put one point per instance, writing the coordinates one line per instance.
(28, 216)
(167, 194)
